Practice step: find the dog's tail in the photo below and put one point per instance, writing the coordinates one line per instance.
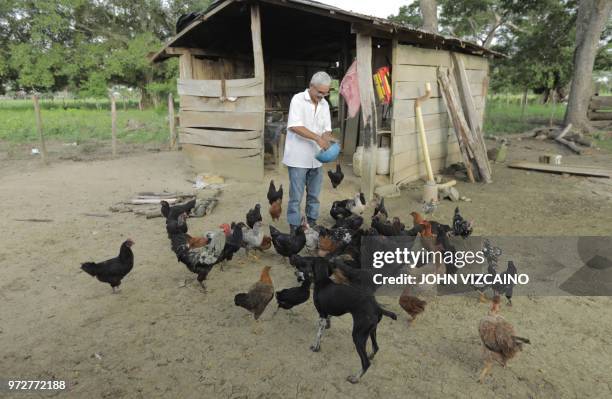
(388, 314)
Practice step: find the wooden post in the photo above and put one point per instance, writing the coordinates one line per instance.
(171, 122)
(523, 104)
(554, 106)
(114, 123)
(421, 129)
(39, 127)
(368, 112)
(259, 71)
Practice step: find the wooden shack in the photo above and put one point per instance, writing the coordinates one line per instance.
(242, 61)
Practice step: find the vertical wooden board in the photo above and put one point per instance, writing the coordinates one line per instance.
(411, 55)
(258, 68)
(368, 113)
(185, 66)
(351, 133)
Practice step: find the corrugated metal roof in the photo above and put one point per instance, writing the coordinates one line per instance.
(441, 41)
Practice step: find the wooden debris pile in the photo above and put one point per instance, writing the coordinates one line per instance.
(147, 204)
(565, 136)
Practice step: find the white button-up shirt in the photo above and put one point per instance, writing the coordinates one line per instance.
(299, 151)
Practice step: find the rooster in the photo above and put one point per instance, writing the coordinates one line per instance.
(345, 208)
(337, 176)
(112, 271)
(259, 295)
(233, 242)
(500, 342)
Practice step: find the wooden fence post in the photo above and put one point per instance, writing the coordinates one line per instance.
(524, 104)
(43, 147)
(171, 122)
(114, 124)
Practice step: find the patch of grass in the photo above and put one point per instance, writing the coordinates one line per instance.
(80, 123)
(503, 115)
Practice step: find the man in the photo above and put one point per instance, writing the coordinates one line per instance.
(308, 131)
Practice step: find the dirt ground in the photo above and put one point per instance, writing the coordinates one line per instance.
(158, 339)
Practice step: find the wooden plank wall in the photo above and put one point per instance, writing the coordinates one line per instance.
(221, 115)
(412, 68)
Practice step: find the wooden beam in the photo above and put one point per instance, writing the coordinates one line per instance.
(185, 67)
(213, 88)
(259, 71)
(368, 112)
(242, 104)
(216, 139)
(171, 120)
(229, 120)
(599, 102)
(411, 55)
(39, 127)
(571, 169)
(113, 124)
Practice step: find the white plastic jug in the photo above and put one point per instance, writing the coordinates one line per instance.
(382, 160)
(357, 161)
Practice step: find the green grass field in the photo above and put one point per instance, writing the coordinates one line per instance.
(504, 114)
(89, 120)
(80, 121)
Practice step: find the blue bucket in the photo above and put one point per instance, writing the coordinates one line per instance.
(329, 155)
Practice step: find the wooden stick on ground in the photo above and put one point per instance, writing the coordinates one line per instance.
(572, 146)
(43, 147)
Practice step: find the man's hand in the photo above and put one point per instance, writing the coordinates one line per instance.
(328, 136)
(323, 142)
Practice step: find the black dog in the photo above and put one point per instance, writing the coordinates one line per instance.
(333, 299)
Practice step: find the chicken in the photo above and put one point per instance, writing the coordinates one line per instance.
(352, 222)
(500, 342)
(312, 238)
(461, 227)
(275, 210)
(506, 289)
(266, 243)
(337, 176)
(273, 194)
(252, 238)
(199, 261)
(334, 240)
(196, 242)
(429, 207)
(345, 208)
(258, 296)
(387, 229)
(253, 216)
(112, 271)
(411, 304)
(288, 244)
(233, 241)
(417, 218)
(292, 297)
(177, 226)
(173, 212)
(380, 211)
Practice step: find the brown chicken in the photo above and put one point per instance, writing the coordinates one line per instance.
(417, 218)
(411, 304)
(276, 209)
(499, 341)
(266, 243)
(259, 295)
(326, 244)
(196, 242)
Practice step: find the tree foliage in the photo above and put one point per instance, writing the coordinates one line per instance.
(87, 45)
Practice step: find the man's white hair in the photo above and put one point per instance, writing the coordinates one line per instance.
(321, 78)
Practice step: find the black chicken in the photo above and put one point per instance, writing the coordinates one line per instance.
(173, 212)
(233, 242)
(461, 227)
(112, 271)
(273, 194)
(380, 211)
(501, 288)
(176, 226)
(387, 229)
(353, 222)
(288, 244)
(339, 209)
(337, 176)
(253, 216)
(291, 297)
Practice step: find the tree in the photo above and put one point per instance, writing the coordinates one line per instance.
(590, 22)
(429, 13)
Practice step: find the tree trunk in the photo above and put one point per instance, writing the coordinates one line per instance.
(429, 12)
(524, 103)
(592, 16)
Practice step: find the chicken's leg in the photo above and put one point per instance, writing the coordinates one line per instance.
(116, 290)
(483, 298)
(485, 370)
